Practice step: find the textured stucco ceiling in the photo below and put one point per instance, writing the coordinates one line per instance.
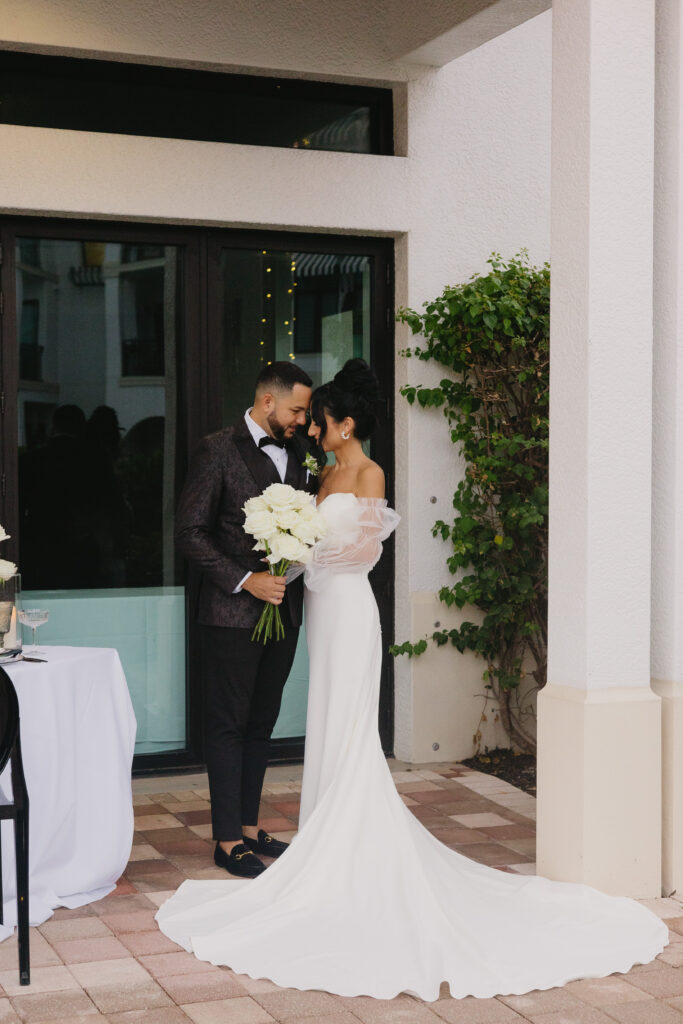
(386, 39)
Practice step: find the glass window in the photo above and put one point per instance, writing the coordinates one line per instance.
(109, 96)
(99, 350)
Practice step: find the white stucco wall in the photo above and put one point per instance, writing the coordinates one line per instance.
(667, 427)
(479, 150)
(474, 178)
(388, 39)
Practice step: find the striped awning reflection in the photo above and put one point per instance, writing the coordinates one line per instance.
(318, 264)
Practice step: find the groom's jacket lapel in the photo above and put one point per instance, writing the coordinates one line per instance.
(260, 465)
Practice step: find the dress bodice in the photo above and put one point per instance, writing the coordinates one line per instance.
(356, 528)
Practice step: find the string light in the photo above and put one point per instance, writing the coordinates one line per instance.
(268, 270)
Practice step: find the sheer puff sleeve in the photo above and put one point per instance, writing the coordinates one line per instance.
(356, 528)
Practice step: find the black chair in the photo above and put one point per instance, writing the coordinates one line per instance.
(10, 750)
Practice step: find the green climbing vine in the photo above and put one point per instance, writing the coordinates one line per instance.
(492, 335)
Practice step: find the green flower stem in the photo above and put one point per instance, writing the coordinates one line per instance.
(263, 630)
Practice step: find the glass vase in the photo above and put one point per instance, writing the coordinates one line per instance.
(10, 606)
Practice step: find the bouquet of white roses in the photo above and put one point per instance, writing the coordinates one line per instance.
(285, 524)
(7, 569)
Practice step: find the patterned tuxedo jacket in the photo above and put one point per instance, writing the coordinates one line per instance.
(226, 469)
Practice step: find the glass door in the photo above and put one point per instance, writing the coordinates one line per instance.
(121, 346)
(316, 302)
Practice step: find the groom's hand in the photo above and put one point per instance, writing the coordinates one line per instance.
(266, 587)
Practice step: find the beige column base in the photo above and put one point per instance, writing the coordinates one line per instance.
(671, 695)
(599, 788)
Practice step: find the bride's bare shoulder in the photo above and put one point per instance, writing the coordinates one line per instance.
(370, 481)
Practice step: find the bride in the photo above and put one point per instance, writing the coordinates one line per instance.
(366, 901)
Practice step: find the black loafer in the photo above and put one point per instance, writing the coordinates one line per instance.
(266, 845)
(240, 861)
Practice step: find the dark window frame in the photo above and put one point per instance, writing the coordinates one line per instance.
(202, 402)
(186, 83)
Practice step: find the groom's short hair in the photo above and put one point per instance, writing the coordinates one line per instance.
(281, 376)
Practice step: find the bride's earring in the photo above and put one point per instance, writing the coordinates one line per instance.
(346, 435)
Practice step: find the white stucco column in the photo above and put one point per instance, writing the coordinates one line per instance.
(667, 446)
(599, 803)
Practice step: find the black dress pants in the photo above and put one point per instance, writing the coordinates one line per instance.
(243, 684)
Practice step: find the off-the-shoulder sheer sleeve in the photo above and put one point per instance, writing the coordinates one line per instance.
(356, 528)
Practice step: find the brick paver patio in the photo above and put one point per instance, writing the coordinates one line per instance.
(109, 961)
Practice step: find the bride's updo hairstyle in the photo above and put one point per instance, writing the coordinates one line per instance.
(354, 392)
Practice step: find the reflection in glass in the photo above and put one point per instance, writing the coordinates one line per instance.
(97, 96)
(97, 460)
(312, 308)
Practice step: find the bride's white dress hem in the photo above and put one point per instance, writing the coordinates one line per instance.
(366, 901)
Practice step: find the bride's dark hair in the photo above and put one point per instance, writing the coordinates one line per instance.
(354, 392)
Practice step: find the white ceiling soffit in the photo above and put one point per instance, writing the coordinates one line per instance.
(478, 21)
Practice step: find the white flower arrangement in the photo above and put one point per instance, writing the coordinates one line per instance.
(285, 524)
(7, 569)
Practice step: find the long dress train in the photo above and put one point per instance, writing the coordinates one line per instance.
(366, 901)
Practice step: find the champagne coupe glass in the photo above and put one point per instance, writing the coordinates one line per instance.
(33, 617)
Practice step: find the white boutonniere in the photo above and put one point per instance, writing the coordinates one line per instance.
(310, 463)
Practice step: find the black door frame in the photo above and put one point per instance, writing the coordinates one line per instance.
(200, 400)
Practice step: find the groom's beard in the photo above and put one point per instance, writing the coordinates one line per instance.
(276, 428)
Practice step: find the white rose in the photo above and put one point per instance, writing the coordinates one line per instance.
(305, 555)
(286, 546)
(261, 525)
(3, 535)
(279, 497)
(308, 513)
(305, 532)
(287, 518)
(254, 505)
(314, 520)
(7, 570)
(274, 555)
(304, 500)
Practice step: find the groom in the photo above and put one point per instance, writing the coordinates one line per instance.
(243, 679)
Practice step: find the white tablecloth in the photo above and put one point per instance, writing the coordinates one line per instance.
(77, 740)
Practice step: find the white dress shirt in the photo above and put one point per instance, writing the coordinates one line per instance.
(279, 457)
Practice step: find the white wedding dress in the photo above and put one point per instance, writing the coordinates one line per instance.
(366, 901)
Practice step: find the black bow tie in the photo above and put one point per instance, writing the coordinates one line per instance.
(271, 440)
